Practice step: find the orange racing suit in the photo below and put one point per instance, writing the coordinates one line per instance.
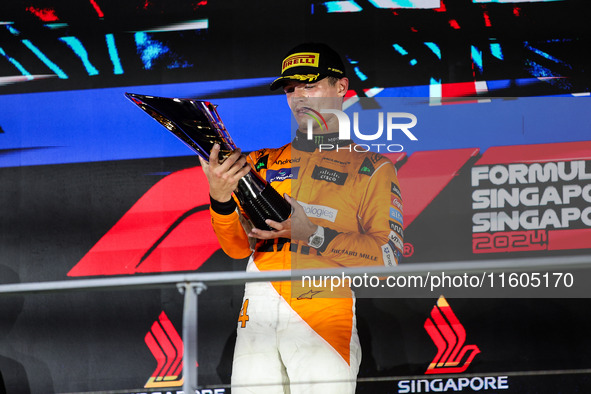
(355, 196)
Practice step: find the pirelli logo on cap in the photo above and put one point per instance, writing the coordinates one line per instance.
(300, 59)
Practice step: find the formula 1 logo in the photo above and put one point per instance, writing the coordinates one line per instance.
(449, 336)
(167, 347)
(157, 234)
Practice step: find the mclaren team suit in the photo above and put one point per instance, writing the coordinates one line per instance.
(304, 340)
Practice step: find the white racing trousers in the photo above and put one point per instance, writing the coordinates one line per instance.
(278, 352)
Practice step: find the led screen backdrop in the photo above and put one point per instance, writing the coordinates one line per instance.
(457, 47)
(92, 187)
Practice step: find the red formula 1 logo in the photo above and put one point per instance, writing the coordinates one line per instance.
(449, 336)
(158, 233)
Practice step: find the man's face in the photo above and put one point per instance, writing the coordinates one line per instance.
(302, 97)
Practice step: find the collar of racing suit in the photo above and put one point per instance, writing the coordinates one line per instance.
(301, 141)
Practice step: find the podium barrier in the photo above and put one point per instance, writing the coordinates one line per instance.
(192, 284)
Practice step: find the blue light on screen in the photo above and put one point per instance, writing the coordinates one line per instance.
(15, 63)
(114, 54)
(400, 49)
(102, 124)
(477, 57)
(76, 46)
(342, 6)
(52, 66)
(496, 50)
(434, 48)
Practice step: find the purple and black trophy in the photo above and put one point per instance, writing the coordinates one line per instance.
(199, 126)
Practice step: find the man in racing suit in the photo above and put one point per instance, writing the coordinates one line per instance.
(292, 338)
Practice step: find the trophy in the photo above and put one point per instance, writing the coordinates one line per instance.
(199, 126)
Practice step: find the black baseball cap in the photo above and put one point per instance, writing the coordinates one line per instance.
(310, 62)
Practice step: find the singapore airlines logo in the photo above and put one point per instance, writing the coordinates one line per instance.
(449, 336)
(453, 356)
(167, 347)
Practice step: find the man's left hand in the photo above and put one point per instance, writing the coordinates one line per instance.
(297, 227)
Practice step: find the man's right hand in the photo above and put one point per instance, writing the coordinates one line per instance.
(223, 177)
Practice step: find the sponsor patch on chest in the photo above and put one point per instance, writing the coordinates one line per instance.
(282, 174)
(261, 163)
(320, 211)
(329, 175)
(367, 167)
